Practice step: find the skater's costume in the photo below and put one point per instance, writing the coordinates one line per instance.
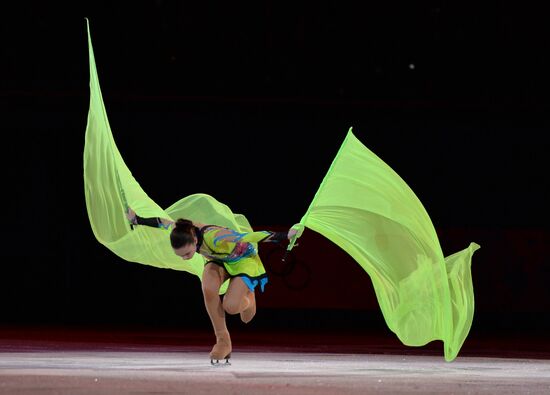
(236, 252)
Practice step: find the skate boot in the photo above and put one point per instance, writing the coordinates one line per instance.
(249, 313)
(222, 349)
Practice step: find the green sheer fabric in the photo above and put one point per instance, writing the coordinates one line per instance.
(110, 188)
(365, 208)
(362, 205)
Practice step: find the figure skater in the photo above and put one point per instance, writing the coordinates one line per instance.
(229, 255)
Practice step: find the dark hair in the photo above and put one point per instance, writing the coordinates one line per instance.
(182, 234)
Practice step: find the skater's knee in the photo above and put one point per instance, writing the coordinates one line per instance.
(212, 280)
(210, 291)
(231, 306)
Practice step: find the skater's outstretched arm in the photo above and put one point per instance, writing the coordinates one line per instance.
(263, 236)
(154, 222)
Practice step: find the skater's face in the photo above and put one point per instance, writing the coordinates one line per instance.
(187, 251)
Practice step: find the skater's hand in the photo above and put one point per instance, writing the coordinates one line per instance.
(295, 231)
(292, 233)
(131, 215)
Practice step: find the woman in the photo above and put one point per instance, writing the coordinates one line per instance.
(229, 255)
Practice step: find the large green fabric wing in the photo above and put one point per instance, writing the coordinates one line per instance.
(365, 208)
(110, 188)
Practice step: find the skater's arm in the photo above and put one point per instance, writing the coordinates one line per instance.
(265, 236)
(262, 236)
(154, 222)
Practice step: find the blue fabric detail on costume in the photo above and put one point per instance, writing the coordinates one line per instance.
(237, 236)
(252, 284)
(250, 250)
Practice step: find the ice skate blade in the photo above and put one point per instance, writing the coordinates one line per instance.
(216, 363)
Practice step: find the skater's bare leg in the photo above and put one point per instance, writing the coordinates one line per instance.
(239, 299)
(212, 279)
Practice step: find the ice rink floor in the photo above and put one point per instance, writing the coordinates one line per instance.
(104, 366)
(135, 372)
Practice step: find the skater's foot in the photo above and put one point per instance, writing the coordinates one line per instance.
(222, 348)
(250, 311)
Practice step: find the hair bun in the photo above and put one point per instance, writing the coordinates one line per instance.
(184, 223)
(183, 233)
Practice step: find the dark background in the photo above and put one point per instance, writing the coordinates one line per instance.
(249, 102)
